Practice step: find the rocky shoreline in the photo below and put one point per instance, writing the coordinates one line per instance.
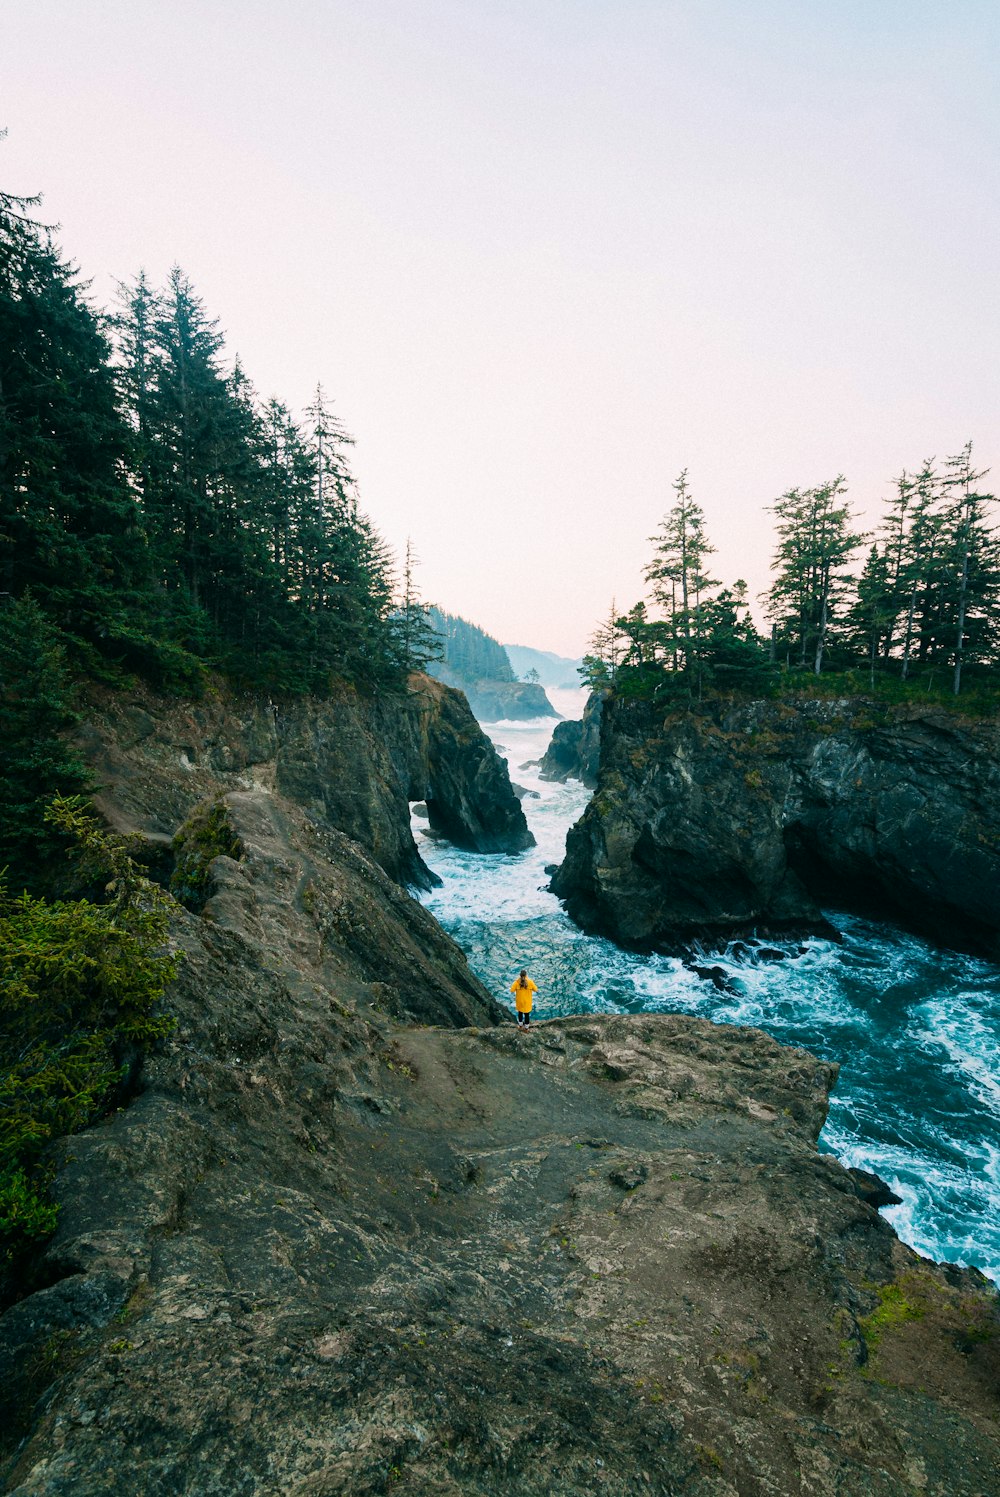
(357, 1234)
(732, 818)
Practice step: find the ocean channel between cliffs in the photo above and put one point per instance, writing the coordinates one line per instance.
(916, 1028)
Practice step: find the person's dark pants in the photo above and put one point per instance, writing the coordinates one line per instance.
(523, 1020)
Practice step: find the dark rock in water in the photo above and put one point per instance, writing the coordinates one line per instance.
(469, 797)
(873, 1190)
(550, 868)
(419, 809)
(770, 954)
(523, 793)
(575, 747)
(715, 975)
(715, 822)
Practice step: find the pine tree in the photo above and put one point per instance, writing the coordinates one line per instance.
(679, 577)
(872, 615)
(604, 656)
(734, 655)
(37, 764)
(814, 549)
(918, 564)
(417, 639)
(69, 528)
(187, 415)
(976, 582)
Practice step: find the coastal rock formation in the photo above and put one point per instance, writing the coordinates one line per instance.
(353, 763)
(715, 821)
(496, 701)
(354, 1234)
(574, 751)
(324, 1253)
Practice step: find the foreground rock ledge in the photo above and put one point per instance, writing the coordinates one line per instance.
(602, 1257)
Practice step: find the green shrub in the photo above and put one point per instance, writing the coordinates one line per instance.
(80, 985)
(207, 835)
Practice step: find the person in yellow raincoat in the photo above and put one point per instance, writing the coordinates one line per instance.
(524, 991)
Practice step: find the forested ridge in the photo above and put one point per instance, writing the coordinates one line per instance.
(163, 516)
(468, 651)
(910, 607)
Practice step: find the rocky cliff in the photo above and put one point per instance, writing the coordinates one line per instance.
(323, 1253)
(494, 701)
(574, 751)
(327, 1250)
(711, 822)
(353, 763)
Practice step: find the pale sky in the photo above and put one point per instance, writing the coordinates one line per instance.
(546, 253)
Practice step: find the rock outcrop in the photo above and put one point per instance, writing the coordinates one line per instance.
(496, 701)
(353, 763)
(322, 1253)
(574, 751)
(712, 822)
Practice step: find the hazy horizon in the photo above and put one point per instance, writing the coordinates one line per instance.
(545, 256)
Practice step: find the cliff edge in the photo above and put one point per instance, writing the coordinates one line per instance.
(729, 817)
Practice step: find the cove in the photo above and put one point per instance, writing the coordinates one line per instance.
(915, 1028)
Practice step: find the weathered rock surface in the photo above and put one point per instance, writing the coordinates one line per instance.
(353, 763)
(325, 1254)
(733, 817)
(574, 751)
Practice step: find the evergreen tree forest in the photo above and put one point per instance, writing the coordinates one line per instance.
(164, 518)
(158, 520)
(911, 608)
(468, 652)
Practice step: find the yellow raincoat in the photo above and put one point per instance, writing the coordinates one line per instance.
(523, 995)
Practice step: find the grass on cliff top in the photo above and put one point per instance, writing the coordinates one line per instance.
(80, 988)
(929, 688)
(979, 697)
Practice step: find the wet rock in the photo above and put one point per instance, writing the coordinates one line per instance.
(717, 976)
(873, 1190)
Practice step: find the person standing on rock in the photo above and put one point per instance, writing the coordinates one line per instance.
(524, 990)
